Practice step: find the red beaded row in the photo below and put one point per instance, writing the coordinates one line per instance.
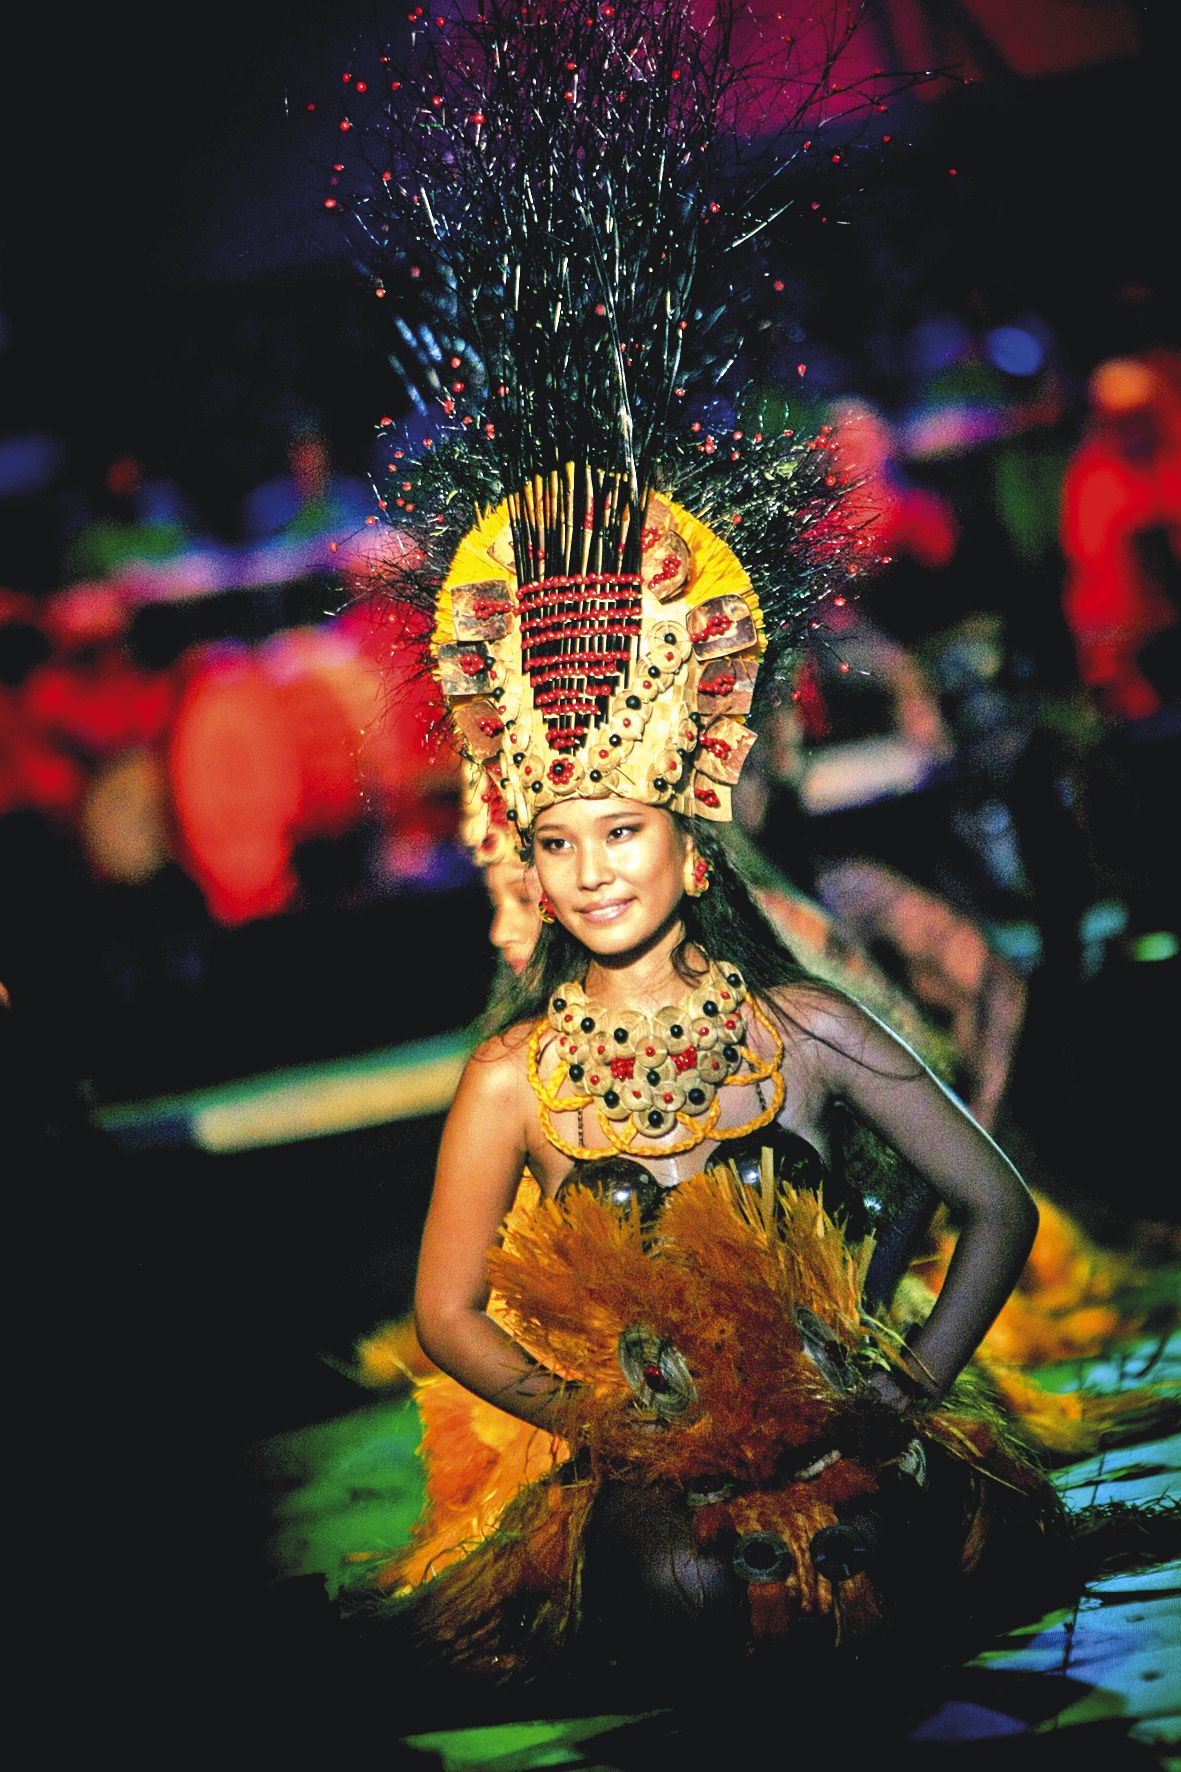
(574, 609)
(622, 624)
(567, 593)
(589, 578)
(562, 701)
(586, 664)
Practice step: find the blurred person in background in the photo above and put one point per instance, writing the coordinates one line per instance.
(1121, 536)
(134, 516)
(863, 675)
(1121, 595)
(310, 498)
(511, 884)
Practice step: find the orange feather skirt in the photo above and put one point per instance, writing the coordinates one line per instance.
(720, 1357)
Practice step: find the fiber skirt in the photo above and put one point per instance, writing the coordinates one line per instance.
(722, 1477)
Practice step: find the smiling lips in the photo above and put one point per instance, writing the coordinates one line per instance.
(606, 913)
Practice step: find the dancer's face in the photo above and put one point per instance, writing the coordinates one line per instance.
(514, 891)
(612, 869)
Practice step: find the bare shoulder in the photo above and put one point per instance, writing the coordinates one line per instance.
(817, 1008)
(835, 1029)
(486, 1123)
(499, 1065)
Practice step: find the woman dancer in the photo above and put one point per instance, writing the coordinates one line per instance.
(692, 1418)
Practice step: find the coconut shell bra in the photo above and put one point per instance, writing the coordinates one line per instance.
(646, 1075)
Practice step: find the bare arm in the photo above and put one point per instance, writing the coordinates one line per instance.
(481, 1157)
(860, 1061)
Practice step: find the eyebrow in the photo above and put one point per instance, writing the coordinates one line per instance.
(609, 818)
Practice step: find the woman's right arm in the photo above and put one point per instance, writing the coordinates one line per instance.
(481, 1156)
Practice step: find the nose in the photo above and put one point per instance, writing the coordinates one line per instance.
(499, 930)
(594, 865)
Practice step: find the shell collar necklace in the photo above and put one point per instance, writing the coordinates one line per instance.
(646, 1074)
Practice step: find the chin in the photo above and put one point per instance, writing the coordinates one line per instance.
(629, 935)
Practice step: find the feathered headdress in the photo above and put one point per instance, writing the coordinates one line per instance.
(564, 205)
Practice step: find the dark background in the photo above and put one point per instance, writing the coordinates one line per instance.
(173, 286)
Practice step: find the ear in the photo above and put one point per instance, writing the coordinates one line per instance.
(695, 870)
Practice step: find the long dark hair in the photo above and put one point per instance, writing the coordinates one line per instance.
(726, 923)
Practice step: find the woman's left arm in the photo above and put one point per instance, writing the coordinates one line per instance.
(860, 1061)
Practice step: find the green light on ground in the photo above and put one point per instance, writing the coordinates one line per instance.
(521, 1747)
